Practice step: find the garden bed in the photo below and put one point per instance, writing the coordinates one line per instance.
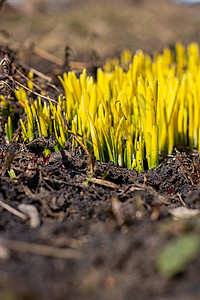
(96, 237)
(113, 235)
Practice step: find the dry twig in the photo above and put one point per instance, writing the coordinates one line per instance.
(13, 211)
(38, 249)
(105, 183)
(181, 199)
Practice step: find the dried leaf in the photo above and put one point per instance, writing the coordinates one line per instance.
(117, 210)
(91, 162)
(32, 212)
(4, 253)
(184, 213)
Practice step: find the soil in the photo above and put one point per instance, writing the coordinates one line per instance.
(90, 237)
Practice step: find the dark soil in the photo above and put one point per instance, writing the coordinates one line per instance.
(99, 236)
(113, 250)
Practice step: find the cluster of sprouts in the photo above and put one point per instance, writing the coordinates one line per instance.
(139, 107)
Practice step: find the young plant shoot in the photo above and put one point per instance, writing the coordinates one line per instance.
(138, 108)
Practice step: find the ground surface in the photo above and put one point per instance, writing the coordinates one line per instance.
(105, 27)
(96, 239)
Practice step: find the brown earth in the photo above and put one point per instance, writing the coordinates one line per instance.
(103, 27)
(94, 237)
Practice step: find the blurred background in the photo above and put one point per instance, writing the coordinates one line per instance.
(100, 29)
